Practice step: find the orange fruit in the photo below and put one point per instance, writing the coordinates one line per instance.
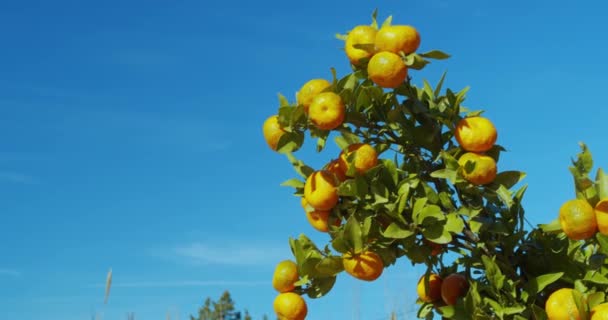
(360, 35)
(320, 190)
(364, 156)
(577, 219)
(387, 70)
(476, 134)
(484, 170)
(561, 306)
(318, 219)
(310, 90)
(453, 287)
(285, 276)
(290, 306)
(327, 111)
(434, 292)
(366, 266)
(272, 131)
(335, 168)
(600, 312)
(397, 38)
(601, 216)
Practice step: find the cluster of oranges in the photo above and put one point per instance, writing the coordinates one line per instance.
(580, 220)
(288, 304)
(476, 135)
(439, 290)
(384, 50)
(561, 304)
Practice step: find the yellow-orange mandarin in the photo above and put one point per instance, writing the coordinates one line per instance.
(364, 157)
(327, 111)
(577, 219)
(320, 190)
(272, 131)
(310, 90)
(398, 38)
(290, 306)
(367, 265)
(561, 306)
(387, 70)
(360, 35)
(285, 276)
(434, 288)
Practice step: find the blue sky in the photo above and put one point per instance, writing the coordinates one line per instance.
(130, 138)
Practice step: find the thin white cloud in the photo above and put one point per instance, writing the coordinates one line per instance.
(15, 177)
(231, 254)
(187, 283)
(10, 273)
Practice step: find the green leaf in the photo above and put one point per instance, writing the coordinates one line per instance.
(352, 234)
(595, 277)
(387, 22)
(595, 298)
(295, 183)
(603, 242)
(448, 174)
(330, 266)
(395, 231)
(505, 196)
(415, 61)
(509, 178)
(539, 283)
(514, 310)
(493, 272)
(454, 223)
(339, 243)
(283, 101)
(584, 162)
(601, 182)
(437, 233)
(374, 23)
(431, 212)
(439, 85)
(320, 287)
(551, 227)
(435, 54)
(290, 142)
(581, 304)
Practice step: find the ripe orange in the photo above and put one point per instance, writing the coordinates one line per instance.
(320, 190)
(290, 306)
(600, 312)
(359, 35)
(272, 131)
(577, 219)
(397, 38)
(285, 276)
(366, 266)
(484, 171)
(453, 287)
(561, 306)
(387, 70)
(365, 158)
(335, 168)
(319, 219)
(327, 111)
(601, 216)
(309, 91)
(434, 292)
(476, 134)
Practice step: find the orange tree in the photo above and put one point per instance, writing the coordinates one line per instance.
(417, 178)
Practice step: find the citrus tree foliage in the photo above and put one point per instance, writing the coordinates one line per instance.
(416, 203)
